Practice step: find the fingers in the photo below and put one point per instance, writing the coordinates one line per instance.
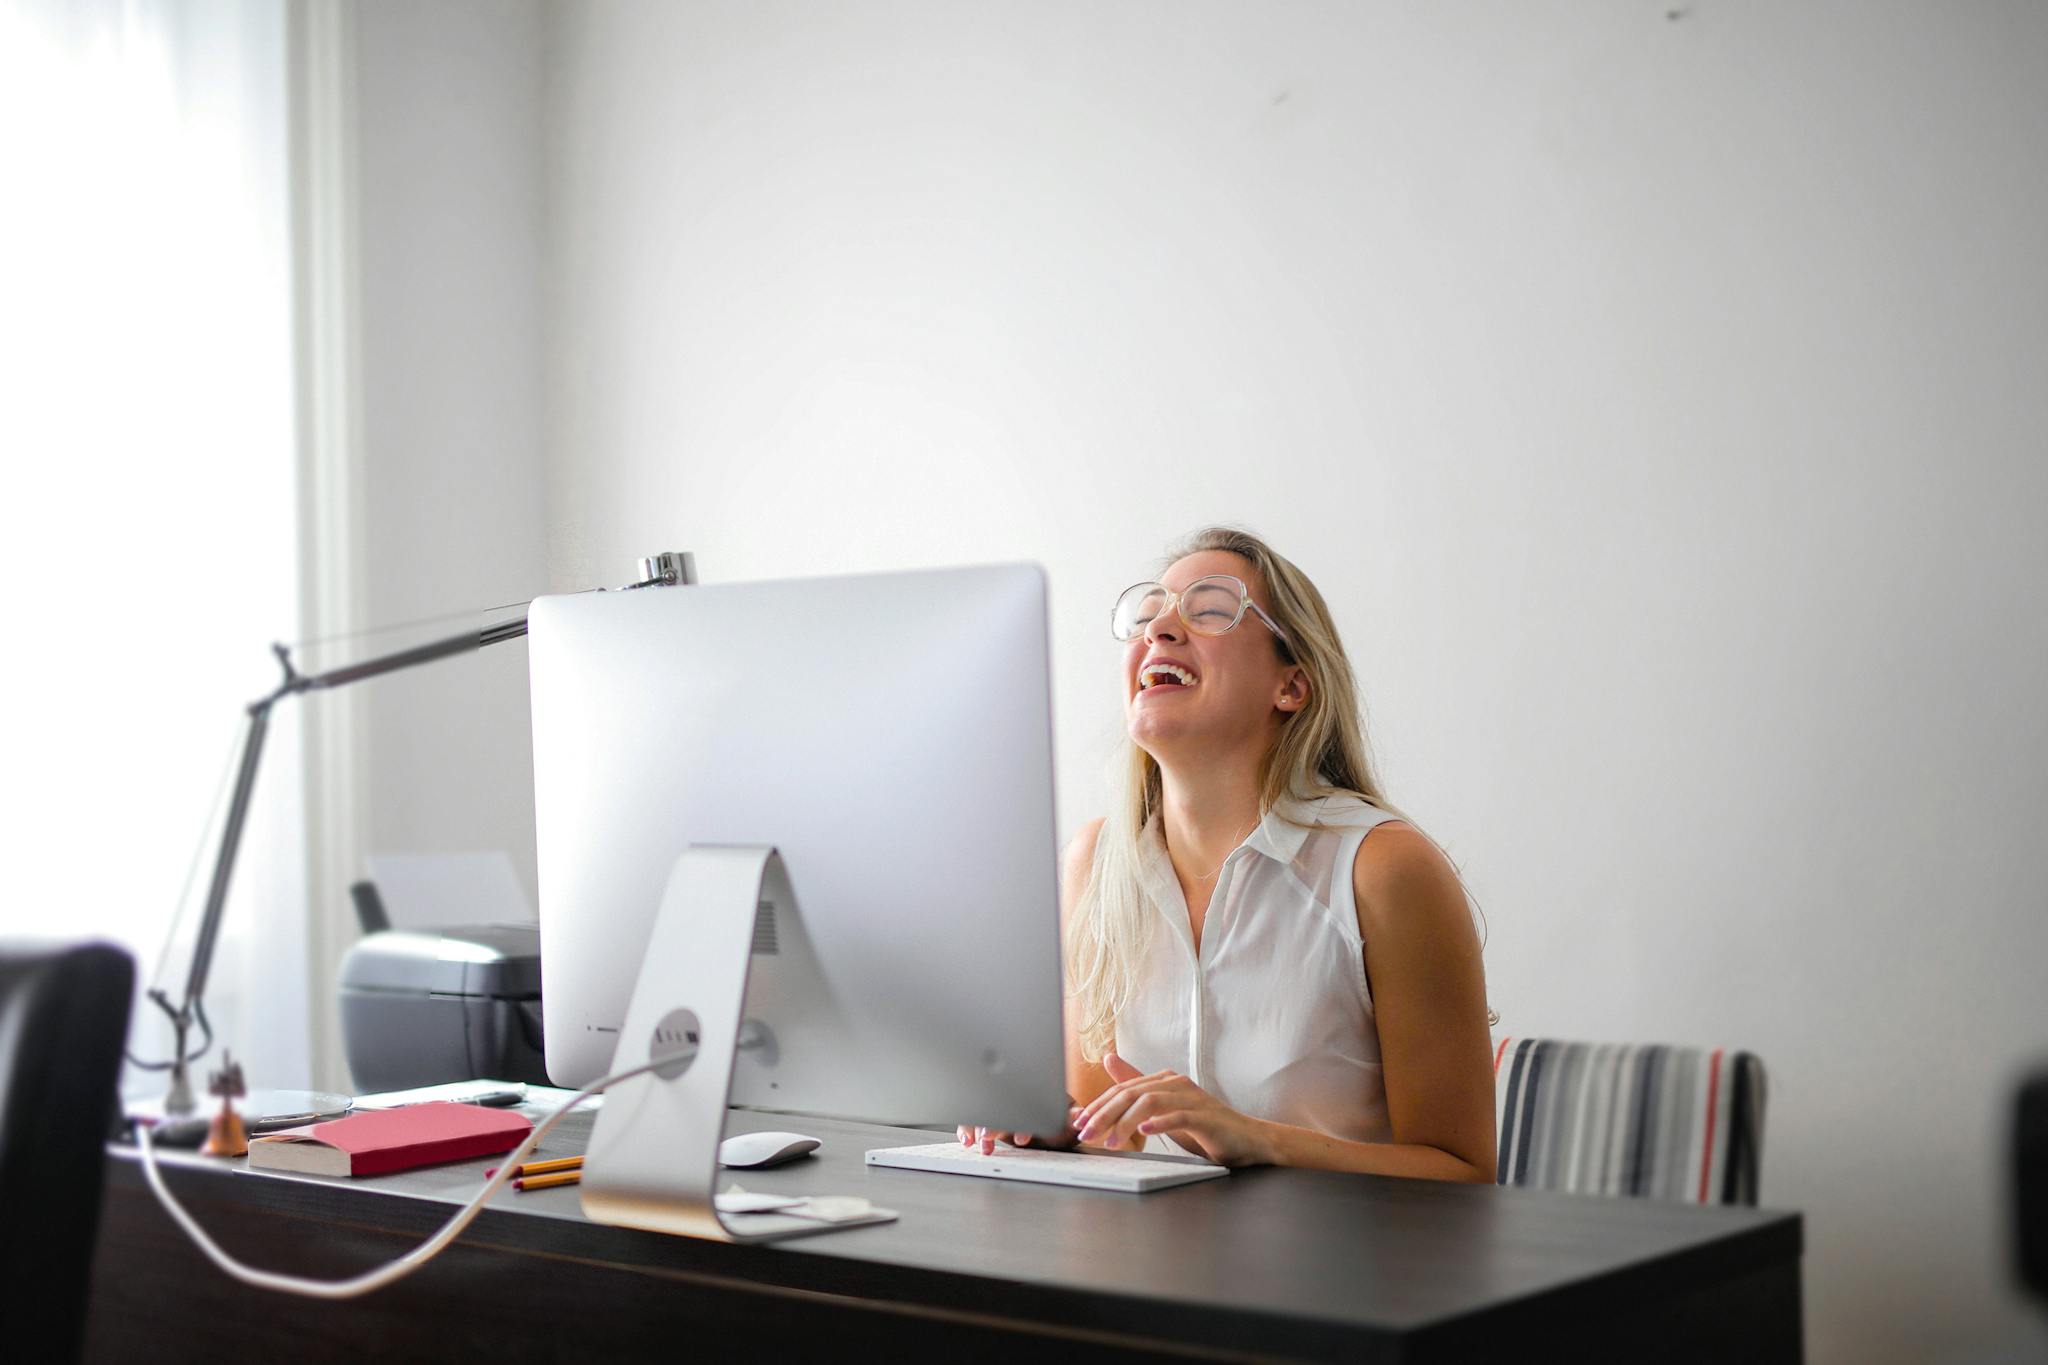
(1113, 1122)
(1174, 1121)
(1129, 1128)
(984, 1139)
(1088, 1120)
(1088, 1111)
(1118, 1068)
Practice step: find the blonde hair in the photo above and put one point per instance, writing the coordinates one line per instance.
(1321, 751)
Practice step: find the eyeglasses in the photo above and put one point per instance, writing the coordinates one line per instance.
(1209, 606)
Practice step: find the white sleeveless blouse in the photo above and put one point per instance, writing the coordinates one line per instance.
(1273, 1016)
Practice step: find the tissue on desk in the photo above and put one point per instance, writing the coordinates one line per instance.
(819, 1208)
(832, 1208)
(737, 1200)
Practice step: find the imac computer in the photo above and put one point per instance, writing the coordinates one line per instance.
(799, 838)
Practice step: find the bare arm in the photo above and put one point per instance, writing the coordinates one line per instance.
(1422, 964)
(1085, 1079)
(1429, 997)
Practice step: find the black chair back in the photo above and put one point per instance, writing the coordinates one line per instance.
(63, 1022)
(2030, 1184)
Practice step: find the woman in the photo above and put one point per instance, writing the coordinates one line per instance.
(1265, 963)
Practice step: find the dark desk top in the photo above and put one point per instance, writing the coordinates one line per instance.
(1277, 1259)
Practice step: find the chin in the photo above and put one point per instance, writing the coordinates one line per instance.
(1150, 735)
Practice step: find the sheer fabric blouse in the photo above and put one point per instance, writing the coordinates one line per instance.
(1273, 1014)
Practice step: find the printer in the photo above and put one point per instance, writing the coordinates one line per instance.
(423, 1007)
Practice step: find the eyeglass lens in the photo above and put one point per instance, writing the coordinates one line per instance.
(1210, 606)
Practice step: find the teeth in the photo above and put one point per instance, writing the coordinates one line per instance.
(1173, 673)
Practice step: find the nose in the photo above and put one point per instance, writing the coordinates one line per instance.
(1166, 626)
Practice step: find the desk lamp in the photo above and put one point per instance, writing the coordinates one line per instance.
(270, 1108)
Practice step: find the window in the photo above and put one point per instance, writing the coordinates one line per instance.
(148, 539)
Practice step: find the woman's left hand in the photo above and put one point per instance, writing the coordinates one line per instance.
(1168, 1102)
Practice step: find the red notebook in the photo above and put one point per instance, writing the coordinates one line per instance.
(379, 1141)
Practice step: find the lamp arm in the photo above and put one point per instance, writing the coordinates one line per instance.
(252, 756)
(672, 568)
(224, 857)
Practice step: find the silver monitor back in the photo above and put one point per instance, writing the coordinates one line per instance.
(891, 734)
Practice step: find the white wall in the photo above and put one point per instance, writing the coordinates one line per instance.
(449, 102)
(1656, 390)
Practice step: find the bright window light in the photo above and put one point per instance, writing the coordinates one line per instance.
(148, 529)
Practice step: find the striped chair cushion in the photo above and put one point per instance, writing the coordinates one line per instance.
(1620, 1118)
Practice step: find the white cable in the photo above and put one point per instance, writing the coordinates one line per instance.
(393, 1271)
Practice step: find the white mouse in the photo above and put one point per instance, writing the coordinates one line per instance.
(765, 1149)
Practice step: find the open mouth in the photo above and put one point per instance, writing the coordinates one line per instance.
(1164, 677)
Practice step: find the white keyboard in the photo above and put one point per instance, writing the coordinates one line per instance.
(1133, 1173)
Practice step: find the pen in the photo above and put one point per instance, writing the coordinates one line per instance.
(560, 1163)
(541, 1182)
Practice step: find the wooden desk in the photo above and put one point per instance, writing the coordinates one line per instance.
(1266, 1263)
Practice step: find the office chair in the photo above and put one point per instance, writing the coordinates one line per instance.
(2030, 1184)
(1626, 1119)
(63, 1021)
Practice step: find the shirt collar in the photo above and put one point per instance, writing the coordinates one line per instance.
(1285, 827)
(1279, 835)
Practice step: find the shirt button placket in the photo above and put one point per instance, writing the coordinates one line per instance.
(1197, 1002)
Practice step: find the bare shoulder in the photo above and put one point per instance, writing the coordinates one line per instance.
(1078, 860)
(1402, 879)
(1082, 850)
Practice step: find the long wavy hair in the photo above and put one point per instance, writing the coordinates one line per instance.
(1321, 751)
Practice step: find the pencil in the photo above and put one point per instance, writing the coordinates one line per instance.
(542, 1182)
(560, 1163)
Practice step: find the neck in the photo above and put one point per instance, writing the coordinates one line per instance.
(1206, 813)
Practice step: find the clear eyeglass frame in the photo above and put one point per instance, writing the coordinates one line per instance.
(1128, 618)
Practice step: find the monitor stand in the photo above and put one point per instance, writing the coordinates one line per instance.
(653, 1160)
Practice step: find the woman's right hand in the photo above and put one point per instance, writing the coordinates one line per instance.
(985, 1139)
